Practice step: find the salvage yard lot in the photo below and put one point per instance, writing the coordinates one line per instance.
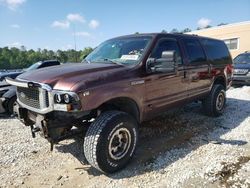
(182, 148)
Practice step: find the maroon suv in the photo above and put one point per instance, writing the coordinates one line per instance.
(123, 82)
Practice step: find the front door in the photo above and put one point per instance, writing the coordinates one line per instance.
(165, 89)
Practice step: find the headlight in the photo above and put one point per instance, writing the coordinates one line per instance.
(58, 98)
(66, 101)
(64, 98)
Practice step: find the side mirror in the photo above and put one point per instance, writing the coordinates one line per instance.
(168, 56)
(167, 62)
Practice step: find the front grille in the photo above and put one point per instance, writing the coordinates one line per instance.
(33, 97)
(240, 71)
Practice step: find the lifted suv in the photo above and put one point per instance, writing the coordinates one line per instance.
(123, 82)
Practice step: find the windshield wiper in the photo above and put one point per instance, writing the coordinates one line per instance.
(111, 61)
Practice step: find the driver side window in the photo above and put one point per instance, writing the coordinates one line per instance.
(166, 45)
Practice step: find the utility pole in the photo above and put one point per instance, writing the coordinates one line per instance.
(74, 27)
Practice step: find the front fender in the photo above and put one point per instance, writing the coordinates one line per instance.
(95, 97)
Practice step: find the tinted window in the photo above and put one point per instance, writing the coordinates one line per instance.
(167, 45)
(216, 50)
(194, 51)
(243, 59)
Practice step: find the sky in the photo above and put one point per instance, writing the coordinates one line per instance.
(54, 24)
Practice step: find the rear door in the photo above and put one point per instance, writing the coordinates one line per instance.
(164, 89)
(197, 72)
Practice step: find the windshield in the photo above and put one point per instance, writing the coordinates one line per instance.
(34, 66)
(125, 51)
(242, 59)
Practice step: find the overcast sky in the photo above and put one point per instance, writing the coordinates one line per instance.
(51, 24)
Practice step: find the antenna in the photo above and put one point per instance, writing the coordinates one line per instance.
(74, 27)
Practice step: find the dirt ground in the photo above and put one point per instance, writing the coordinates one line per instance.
(181, 148)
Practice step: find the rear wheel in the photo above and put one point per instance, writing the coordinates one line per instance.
(214, 104)
(110, 141)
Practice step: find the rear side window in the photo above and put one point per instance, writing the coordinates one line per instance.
(194, 51)
(216, 50)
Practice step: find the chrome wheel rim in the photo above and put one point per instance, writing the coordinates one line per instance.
(119, 144)
(220, 101)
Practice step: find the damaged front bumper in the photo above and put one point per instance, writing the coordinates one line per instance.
(52, 113)
(55, 126)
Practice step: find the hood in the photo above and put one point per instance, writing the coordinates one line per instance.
(241, 66)
(67, 76)
(10, 74)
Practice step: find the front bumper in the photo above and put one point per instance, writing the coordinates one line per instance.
(54, 126)
(241, 80)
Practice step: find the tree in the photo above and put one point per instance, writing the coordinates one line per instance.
(174, 31)
(186, 30)
(86, 51)
(222, 24)
(208, 26)
(15, 58)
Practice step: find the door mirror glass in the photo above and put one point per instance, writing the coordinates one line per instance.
(166, 63)
(169, 56)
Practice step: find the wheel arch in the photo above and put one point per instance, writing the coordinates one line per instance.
(124, 104)
(220, 80)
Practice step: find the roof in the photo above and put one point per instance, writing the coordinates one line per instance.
(176, 35)
(220, 27)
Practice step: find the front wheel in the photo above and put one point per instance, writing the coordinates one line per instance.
(110, 141)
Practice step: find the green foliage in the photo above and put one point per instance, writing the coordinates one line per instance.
(174, 31)
(14, 58)
(186, 30)
(222, 24)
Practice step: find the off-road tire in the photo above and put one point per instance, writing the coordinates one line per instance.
(99, 136)
(210, 103)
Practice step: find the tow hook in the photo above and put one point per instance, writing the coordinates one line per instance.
(51, 145)
(34, 130)
(33, 134)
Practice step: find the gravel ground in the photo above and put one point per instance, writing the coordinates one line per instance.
(182, 148)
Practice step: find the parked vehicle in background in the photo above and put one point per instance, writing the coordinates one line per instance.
(8, 92)
(241, 74)
(123, 82)
(11, 74)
